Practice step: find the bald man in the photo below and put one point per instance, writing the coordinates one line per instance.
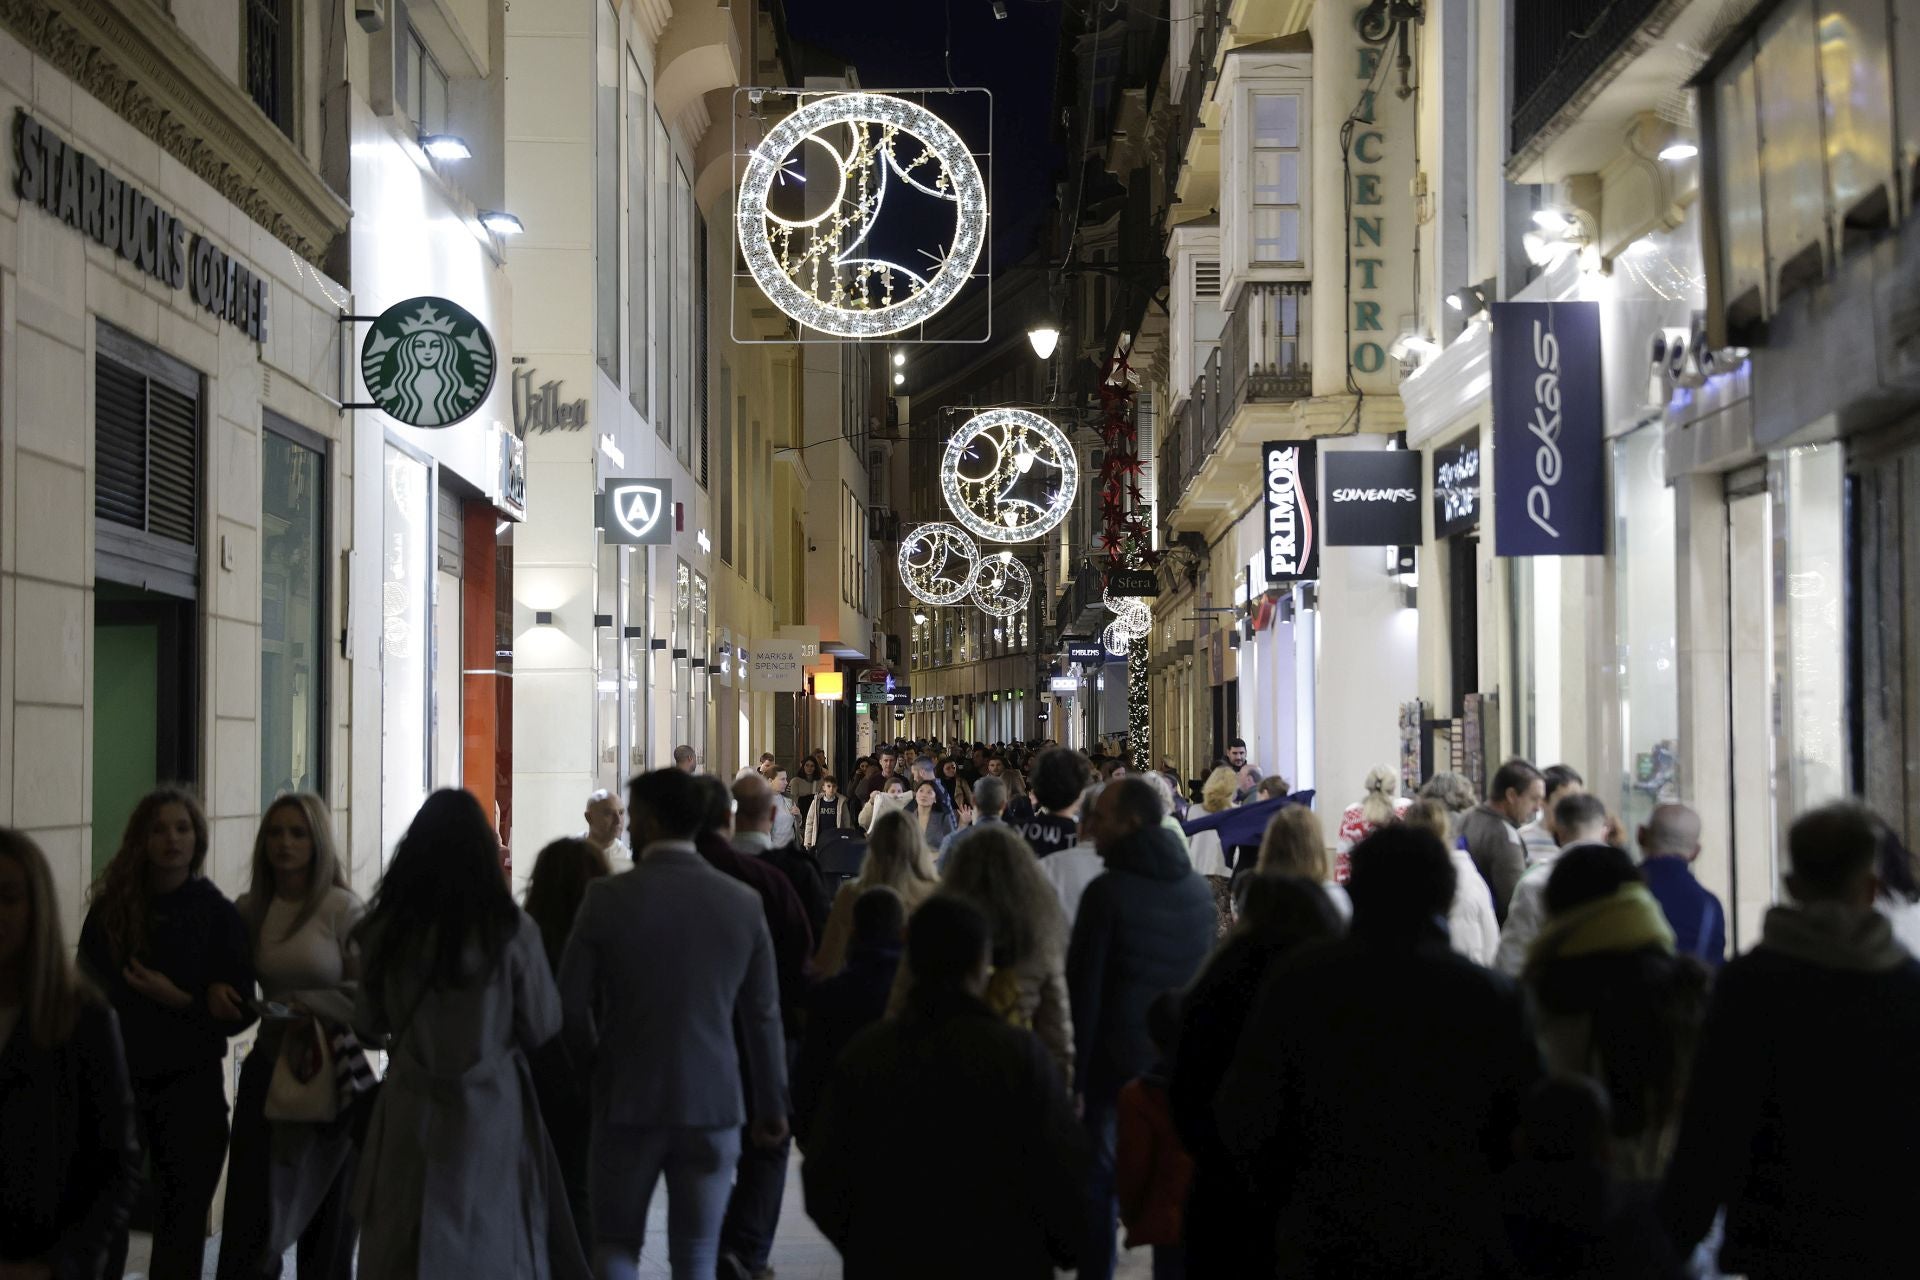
(1669, 842)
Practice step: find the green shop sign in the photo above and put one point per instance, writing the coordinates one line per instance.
(427, 362)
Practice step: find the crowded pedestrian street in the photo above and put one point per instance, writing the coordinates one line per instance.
(959, 640)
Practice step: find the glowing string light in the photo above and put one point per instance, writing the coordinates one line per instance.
(988, 475)
(813, 268)
(938, 563)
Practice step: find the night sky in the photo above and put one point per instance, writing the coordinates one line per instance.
(897, 44)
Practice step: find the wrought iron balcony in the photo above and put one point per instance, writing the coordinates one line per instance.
(1196, 432)
(1558, 48)
(1265, 345)
(1209, 26)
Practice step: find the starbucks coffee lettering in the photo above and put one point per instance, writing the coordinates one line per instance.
(72, 186)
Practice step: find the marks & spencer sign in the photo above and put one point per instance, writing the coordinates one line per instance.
(1292, 533)
(1372, 499)
(1549, 472)
(72, 186)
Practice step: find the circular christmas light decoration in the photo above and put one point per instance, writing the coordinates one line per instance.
(1116, 638)
(815, 268)
(1002, 585)
(1009, 475)
(938, 562)
(1130, 612)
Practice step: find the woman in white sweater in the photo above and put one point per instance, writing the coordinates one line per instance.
(1474, 928)
(287, 1181)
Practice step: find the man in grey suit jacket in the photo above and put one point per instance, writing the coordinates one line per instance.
(667, 984)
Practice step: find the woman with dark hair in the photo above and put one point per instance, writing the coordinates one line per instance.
(72, 1163)
(458, 1177)
(287, 1180)
(171, 954)
(805, 784)
(1229, 1222)
(559, 882)
(1614, 1003)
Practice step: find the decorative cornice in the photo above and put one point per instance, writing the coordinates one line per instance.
(151, 75)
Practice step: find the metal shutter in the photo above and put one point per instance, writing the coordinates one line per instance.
(173, 464)
(120, 445)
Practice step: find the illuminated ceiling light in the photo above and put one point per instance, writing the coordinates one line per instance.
(983, 501)
(445, 146)
(899, 379)
(1044, 338)
(899, 359)
(919, 619)
(1544, 251)
(938, 563)
(814, 269)
(1002, 586)
(1551, 221)
(502, 224)
(1678, 151)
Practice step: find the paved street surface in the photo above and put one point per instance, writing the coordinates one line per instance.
(799, 1251)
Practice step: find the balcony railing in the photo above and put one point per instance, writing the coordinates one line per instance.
(1266, 347)
(1209, 25)
(1196, 432)
(1557, 48)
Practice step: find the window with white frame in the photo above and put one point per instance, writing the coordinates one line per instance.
(1276, 179)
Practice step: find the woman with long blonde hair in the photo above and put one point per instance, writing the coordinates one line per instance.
(1295, 844)
(898, 858)
(287, 1180)
(171, 954)
(1203, 847)
(995, 870)
(72, 1165)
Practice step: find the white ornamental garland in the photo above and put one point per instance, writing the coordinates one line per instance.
(989, 472)
(938, 563)
(1002, 586)
(814, 268)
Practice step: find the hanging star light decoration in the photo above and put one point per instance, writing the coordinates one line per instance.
(1002, 586)
(819, 269)
(1009, 475)
(938, 563)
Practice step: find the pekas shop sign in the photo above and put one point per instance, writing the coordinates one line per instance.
(67, 183)
(1549, 472)
(1292, 536)
(1372, 499)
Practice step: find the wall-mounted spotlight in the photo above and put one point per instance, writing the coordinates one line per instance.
(899, 379)
(1044, 337)
(899, 359)
(1675, 152)
(543, 618)
(502, 224)
(445, 146)
(1471, 299)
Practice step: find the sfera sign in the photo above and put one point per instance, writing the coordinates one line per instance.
(1549, 481)
(72, 186)
(1293, 541)
(1372, 498)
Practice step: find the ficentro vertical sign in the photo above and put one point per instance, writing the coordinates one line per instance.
(1366, 155)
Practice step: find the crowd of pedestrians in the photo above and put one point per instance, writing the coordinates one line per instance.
(1015, 1014)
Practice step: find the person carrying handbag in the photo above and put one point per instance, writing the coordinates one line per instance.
(292, 1160)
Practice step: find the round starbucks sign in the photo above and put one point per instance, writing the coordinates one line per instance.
(427, 362)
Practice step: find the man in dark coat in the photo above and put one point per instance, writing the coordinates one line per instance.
(946, 1148)
(1378, 1084)
(1801, 1118)
(753, 803)
(1144, 927)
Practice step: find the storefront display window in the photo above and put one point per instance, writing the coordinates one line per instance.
(702, 682)
(1809, 596)
(606, 653)
(406, 566)
(638, 658)
(682, 666)
(1646, 625)
(293, 640)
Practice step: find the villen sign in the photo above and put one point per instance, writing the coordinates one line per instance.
(1293, 545)
(637, 512)
(1549, 464)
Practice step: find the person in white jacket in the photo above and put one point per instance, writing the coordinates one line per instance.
(1471, 924)
(1579, 818)
(1073, 868)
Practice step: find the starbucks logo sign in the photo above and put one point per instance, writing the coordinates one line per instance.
(427, 362)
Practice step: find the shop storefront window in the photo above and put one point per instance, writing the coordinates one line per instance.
(293, 640)
(702, 682)
(406, 566)
(682, 665)
(606, 658)
(1809, 589)
(639, 658)
(1645, 624)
